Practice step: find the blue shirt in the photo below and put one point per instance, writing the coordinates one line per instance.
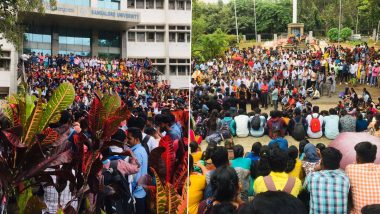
(142, 157)
(253, 157)
(282, 143)
(175, 131)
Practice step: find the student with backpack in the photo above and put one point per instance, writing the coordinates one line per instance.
(257, 124)
(298, 126)
(276, 123)
(315, 122)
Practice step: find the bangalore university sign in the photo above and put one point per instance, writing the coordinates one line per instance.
(88, 12)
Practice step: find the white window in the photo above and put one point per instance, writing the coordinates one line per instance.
(150, 37)
(131, 37)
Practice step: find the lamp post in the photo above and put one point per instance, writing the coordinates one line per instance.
(378, 28)
(254, 11)
(24, 57)
(340, 14)
(236, 26)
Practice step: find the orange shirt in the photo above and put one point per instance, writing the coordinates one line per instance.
(264, 88)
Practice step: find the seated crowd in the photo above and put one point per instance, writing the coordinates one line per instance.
(283, 180)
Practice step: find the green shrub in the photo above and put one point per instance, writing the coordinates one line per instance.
(333, 34)
(345, 33)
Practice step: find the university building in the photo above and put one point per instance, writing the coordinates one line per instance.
(157, 29)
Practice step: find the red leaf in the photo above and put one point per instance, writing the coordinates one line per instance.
(181, 173)
(157, 163)
(50, 136)
(13, 136)
(112, 123)
(54, 160)
(96, 115)
(168, 156)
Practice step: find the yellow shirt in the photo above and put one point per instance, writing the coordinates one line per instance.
(196, 188)
(297, 171)
(279, 180)
(197, 156)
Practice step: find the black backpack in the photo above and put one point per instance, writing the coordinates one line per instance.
(122, 201)
(299, 131)
(144, 143)
(256, 122)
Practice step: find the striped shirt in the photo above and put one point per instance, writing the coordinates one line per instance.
(328, 192)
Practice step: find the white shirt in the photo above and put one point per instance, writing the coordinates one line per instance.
(152, 143)
(309, 132)
(242, 125)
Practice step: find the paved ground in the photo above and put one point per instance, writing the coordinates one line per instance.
(324, 103)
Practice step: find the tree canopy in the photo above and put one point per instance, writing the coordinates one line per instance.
(11, 17)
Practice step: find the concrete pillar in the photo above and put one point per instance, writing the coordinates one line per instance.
(374, 34)
(55, 43)
(310, 34)
(258, 38)
(294, 11)
(94, 43)
(123, 5)
(94, 3)
(301, 31)
(123, 48)
(275, 37)
(167, 68)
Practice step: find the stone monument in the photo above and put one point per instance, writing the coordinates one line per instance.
(294, 27)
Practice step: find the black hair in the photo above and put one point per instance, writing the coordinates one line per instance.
(292, 158)
(321, 146)
(371, 209)
(119, 136)
(220, 157)
(331, 158)
(161, 118)
(262, 168)
(366, 152)
(297, 111)
(238, 151)
(193, 147)
(138, 122)
(135, 132)
(224, 208)
(377, 124)
(150, 131)
(278, 202)
(66, 117)
(302, 145)
(256, 148)
(209, 151)
(224, 184)
(278, 160)
(191, 164)
(332, 111)
(315, 109)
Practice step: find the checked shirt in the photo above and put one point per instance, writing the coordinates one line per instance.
(328, 191)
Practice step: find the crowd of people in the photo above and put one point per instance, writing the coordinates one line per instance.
(154, 108)
(136, 81)
(230, 97)
(282, 179)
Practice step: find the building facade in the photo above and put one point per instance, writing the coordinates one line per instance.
(8, 69)
(157, 29)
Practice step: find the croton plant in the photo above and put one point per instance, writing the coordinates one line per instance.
(29, 145)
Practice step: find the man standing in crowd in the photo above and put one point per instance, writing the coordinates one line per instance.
(134, 138)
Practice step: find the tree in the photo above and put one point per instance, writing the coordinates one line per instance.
(11, 17)
(210, 45)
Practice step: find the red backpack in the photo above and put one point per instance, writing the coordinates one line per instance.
(315, 124)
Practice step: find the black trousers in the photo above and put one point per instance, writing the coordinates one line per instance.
(141, 206)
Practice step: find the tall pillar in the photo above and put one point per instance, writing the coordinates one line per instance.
(123, 48)
(167, 67)
(294, 11)
(55, 43)
(124, 5)
(94, 43)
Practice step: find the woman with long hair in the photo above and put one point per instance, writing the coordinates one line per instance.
(294, 165)
(374, 126)
(212, 122)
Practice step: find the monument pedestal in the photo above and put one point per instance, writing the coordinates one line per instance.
(295, 29)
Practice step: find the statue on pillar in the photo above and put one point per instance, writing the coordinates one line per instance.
(295, 29)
